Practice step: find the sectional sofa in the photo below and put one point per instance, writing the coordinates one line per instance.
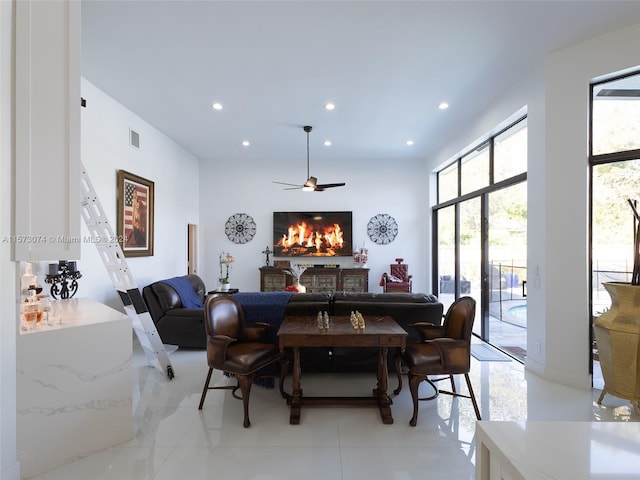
(185, 326)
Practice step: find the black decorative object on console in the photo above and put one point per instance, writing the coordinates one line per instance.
(63, 277)
(267, 252)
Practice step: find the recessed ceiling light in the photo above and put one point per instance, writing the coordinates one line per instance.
(329, 106)
(217, 106)
(246, 143)
(443, 106)
(409, 142)
(327, 143)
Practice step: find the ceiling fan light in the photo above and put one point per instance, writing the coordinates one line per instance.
(310, 185)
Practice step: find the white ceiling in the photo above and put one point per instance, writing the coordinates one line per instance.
(273, 65)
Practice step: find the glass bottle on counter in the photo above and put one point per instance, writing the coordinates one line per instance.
(28, 279)
(31, 310)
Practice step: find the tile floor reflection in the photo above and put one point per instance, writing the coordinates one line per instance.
(173, 440)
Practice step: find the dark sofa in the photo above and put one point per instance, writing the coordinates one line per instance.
(404, 308)
(185, 326)
(176, 325)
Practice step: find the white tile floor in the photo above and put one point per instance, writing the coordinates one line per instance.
(174, 441)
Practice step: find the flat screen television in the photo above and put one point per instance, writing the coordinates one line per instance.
(312, 234)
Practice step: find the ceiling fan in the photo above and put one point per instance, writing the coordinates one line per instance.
(311, 185)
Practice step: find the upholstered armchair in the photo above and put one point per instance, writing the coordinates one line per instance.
(237, 349)
(443, 351)
(398, 280)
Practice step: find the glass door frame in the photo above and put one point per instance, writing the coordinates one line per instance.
(484, 242)
(456, 201)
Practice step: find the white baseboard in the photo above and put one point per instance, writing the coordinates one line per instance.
(568, 378)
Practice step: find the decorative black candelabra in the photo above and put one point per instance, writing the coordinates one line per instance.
(63, 277)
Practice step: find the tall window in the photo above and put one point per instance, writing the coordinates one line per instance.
(615, 178)
(480, 228)
(474, 172)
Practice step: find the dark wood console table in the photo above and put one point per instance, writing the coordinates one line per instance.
(302, 331)
(317, 280)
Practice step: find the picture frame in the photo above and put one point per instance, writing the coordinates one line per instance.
(135, 206)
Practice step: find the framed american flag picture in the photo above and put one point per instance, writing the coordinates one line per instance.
(135, 215)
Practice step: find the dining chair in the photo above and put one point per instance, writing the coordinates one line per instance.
(443, 350)
(237, 349)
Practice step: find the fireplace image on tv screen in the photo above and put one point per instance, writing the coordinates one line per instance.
(312, 234)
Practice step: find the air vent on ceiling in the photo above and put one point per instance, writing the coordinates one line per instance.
(134, 138)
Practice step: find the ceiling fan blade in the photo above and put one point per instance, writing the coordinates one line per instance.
(290, 184)
(331, 185)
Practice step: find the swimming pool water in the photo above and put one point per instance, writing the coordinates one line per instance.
(519, 311)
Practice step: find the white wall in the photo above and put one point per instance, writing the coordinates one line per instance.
(105, 149)
(9, 466)
(231, 186)
(564, 261)
(174, 171)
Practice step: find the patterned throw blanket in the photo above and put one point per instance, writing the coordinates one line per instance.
(267, 307)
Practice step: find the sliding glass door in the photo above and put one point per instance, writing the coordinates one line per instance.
(471, 255)
(446, 234)
(481, 234)
(507, 270)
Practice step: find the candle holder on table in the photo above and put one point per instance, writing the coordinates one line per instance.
(63, 277)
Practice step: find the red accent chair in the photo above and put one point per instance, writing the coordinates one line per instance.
(398, 280)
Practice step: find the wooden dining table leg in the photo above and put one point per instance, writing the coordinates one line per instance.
(384, 402)
(296, 398)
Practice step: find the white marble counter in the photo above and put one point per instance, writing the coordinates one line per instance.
(558, 450)
(77, 312)
(73, 386)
